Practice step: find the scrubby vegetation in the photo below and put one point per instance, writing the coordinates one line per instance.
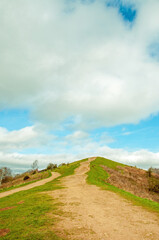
(154, 184)
(20, 180)
(117, 177)
(5, 174)
(26, 177)
(153, 180)
(51, 166)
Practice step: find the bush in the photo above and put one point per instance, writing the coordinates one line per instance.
(154, 184)
(149, 172)
(62, 164)
(26, 177)
(51, 166)
(5, 172)
(7, 179)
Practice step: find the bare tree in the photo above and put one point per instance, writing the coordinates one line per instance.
(34, 165)
(5, 172)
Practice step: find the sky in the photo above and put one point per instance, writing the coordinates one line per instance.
(79, 78)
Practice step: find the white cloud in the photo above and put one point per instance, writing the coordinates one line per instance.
(80, 65)
(74, 146)
(142, 158)
(28, 137)
(86, 63)
(21, 162)
(77, 135)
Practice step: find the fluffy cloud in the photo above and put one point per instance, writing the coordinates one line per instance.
(22, 162)
(80, 64)
(77, 135)
(67, 148)
(25, 138)
(65, 59)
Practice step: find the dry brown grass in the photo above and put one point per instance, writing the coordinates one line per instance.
(133, 180)
(18, 180)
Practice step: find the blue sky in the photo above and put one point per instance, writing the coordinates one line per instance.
(79, 79)
(15, 119)
(128, 11)
(131, 137)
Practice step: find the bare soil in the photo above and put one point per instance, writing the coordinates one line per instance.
(87, 212)
(32, 185)
(21, 202)
(4, 232)
(6, 208)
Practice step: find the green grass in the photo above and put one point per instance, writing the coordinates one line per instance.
(97, 176)
(46, 174)
(68, 169)
(29, 221)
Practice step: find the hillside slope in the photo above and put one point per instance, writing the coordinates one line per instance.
(78, 206)
(115, 176)
(30, 186)
(87, 212)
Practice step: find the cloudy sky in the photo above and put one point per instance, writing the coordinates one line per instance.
(79, 78)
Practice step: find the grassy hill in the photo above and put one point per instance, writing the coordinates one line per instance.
(27, 215)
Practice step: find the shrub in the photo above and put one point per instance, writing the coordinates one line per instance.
(51, 166)
(149, 172)
(154, 184)
(7, 179)
(26, 177)
(34, 172)
(5, 172)
(62, 164)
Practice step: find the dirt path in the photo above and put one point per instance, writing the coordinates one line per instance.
(29, 186)
(90, 213)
